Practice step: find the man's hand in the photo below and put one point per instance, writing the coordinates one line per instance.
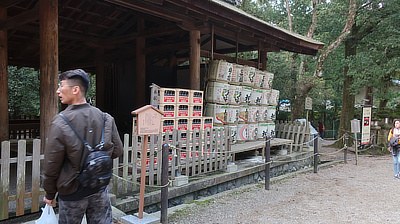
(47, 201)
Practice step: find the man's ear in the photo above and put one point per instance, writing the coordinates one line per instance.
(76, 90)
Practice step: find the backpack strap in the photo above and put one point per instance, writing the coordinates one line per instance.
(80, 137)
(72, 127)
(83, 140)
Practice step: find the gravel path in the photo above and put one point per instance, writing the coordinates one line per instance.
(339, 193)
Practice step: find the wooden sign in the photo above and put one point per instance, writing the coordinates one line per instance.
(148, 120)
(308, 105)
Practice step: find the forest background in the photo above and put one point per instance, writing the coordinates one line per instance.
(362, 53)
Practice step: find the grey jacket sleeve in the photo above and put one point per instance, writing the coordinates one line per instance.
(116, 140)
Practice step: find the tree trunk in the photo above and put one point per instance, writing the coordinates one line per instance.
(348, 99)
(335, 44)
(304, 86)
(289, 16)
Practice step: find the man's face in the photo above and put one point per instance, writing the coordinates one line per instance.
(65, 92)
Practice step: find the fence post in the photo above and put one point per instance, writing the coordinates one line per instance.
(346, 138)
(164, 182)
(267, 161)
(373, 145)
(316, 140)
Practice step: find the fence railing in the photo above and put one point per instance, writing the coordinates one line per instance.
(191, 153)
(24, 127)
(295, 131)
(20, 179)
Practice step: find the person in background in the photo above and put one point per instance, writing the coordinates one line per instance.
(321, 129)
(64, 152)
(395, 132)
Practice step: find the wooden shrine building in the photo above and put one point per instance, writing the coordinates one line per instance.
(129, 44)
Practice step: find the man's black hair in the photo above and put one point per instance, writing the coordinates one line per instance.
(79, 75)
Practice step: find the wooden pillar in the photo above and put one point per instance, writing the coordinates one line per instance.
(194, 59)
(100, 79)
(263, 59)
(140, 66)
(48, 16)
(4, 135)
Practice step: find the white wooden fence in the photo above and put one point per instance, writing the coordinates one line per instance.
(295, 131)
(191, 156)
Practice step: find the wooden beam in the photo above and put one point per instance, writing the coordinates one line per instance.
(4, 119)
(194, 59)
(9, 3)
(152, 9)
(149, 34)
(21, 19)
(166, 48)
(140, 66)
(48, 65)
(217, 56)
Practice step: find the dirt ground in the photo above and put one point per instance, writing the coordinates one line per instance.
(338, 193)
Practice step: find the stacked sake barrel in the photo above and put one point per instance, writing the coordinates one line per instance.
(240, 99)
(183, 110)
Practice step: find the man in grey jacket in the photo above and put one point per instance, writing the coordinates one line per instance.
(64, 153)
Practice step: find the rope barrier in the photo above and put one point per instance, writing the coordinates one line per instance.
(331, 153)
(286, 161)
(155, 186)
(224, 152)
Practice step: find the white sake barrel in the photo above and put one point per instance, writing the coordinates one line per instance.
(266, 96)
(270, 78)
(233, 114)
(254, 116)
(232, 130)
(217, 92)
(244, 113)
(237, 74)
(271, 113)
(271, 129)
(246, 95)
(242, 132)
(262, 130)
(229, 70)
(248, 75)
(263, 111)
(274, 97)
(217, 112)
(257, 77)
(263, 80)
(253, 132)
(219, 71)
(256, 97)
(235, 93)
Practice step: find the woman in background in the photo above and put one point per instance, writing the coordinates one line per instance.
(395, 132)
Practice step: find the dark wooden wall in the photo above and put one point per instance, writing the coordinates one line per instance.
(120, 94)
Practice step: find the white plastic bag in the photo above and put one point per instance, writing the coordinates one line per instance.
(48, 216)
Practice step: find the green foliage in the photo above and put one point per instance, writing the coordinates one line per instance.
(91, 94)
(378, 52)
(23, 91)
(376, 63)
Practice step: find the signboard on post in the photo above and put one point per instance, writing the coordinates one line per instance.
(366, 126)
(148, 120)
(148, 123)
(308, 105)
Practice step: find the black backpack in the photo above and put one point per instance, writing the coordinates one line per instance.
(97, 167)
(394, 142)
